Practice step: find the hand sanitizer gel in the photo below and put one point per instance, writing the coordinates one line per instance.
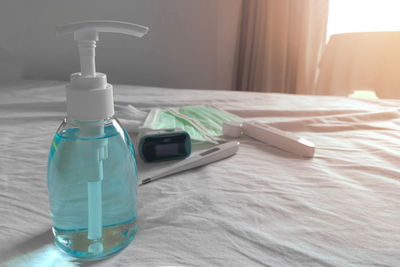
(92, 175)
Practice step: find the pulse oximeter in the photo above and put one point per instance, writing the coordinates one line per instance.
(166, 144)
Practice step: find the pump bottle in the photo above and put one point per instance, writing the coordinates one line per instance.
(92, 174)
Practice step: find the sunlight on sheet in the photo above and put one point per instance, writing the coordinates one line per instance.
(46, 256)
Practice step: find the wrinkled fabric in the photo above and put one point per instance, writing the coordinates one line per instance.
(260, 207)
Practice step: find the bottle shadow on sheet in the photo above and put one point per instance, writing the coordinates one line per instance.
(39, 250)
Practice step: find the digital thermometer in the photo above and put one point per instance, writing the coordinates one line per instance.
(271, 136)
(208, 156)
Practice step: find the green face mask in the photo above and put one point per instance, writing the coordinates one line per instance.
(202, 123)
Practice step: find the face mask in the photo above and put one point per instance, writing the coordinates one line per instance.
(202, 123)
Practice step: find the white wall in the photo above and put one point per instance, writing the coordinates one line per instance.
(191, 43)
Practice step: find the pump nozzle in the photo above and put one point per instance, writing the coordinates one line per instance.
(89, 96)
(86, 33)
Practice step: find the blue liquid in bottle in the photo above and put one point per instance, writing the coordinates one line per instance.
(79, 158)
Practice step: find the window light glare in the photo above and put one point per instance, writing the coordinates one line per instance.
(363, 16)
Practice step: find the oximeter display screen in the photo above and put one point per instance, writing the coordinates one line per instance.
(166, 146)
(163, 150)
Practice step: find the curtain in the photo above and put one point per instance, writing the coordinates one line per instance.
(361, 61)
(279, 46)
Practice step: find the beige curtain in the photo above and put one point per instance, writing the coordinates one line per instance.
(280, 44)
(361, 61)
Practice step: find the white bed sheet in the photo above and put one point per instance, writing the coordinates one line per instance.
(262, 206)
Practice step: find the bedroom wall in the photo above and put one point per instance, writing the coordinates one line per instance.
(191, 44)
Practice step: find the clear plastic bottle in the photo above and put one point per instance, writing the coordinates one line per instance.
(86, 156)
(92, 174)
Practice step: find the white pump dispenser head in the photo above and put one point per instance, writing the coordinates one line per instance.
(89, 96)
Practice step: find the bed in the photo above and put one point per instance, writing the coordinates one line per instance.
(262, 206)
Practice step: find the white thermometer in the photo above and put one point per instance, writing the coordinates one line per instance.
(271, 136)
(208, 156)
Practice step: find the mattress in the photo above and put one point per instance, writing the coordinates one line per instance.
(260, 207)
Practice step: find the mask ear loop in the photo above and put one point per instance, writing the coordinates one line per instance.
(214, 115)
(154, 115)
(206, 116)
(232, 116)
(151, 118)
(196, 125)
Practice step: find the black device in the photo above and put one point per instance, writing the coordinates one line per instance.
(166, 144)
